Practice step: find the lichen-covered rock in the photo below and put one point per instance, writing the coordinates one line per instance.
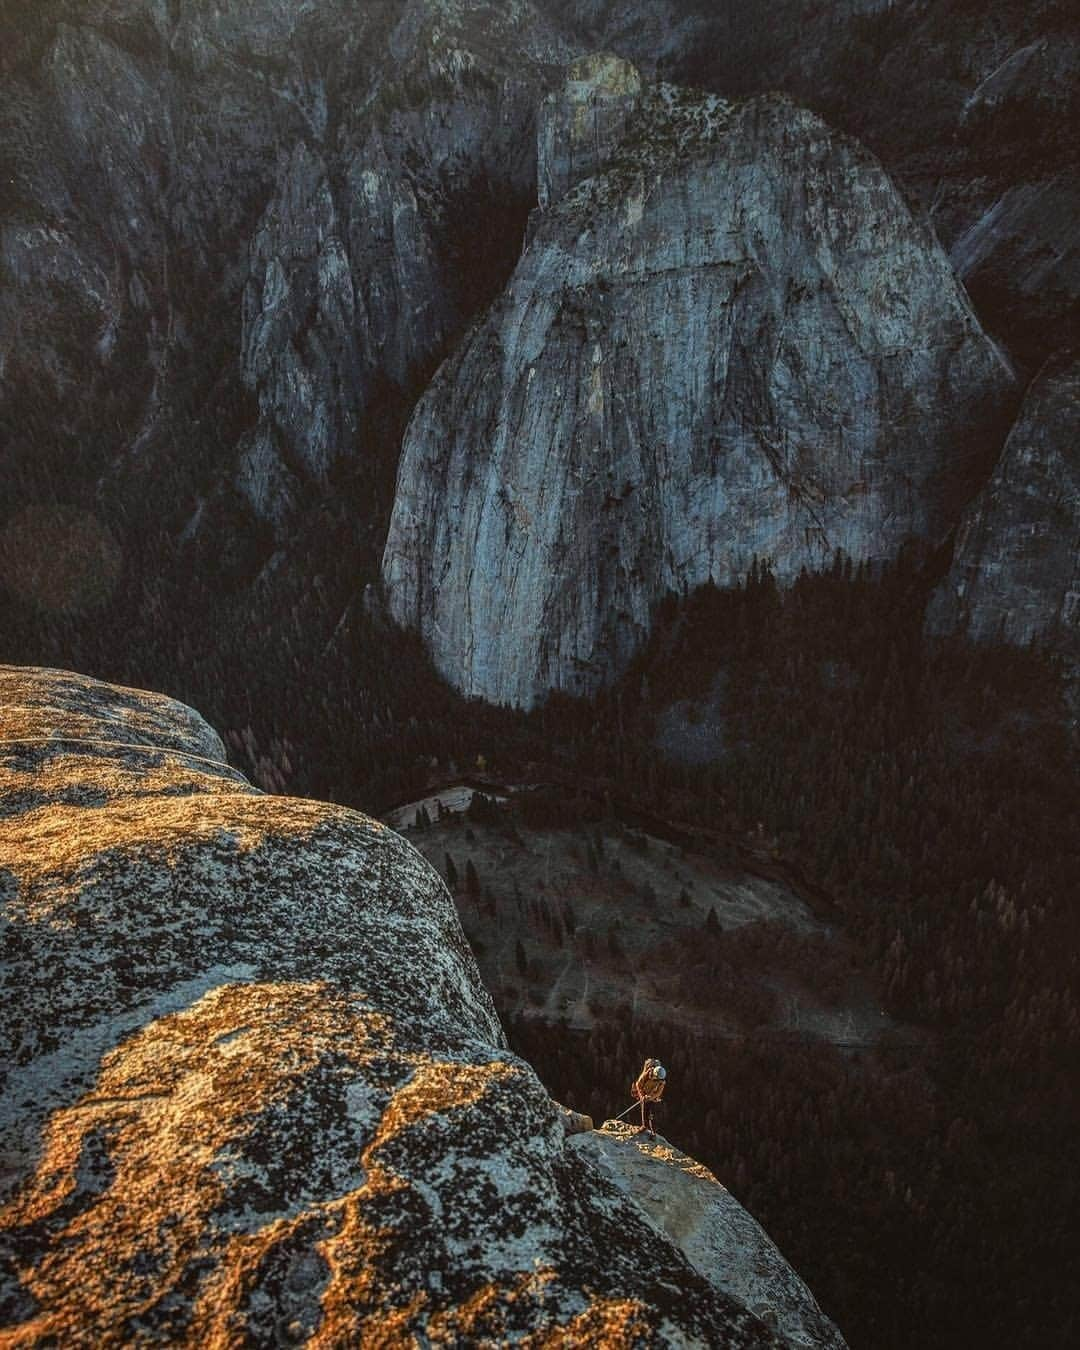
(254, 1092)
(724, 1244)
(580, 124)
(1015, 575)
(734, 340)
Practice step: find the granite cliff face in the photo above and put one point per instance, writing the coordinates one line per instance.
(354, 282)
(236, 240)
(972, 108)
(580, 124)
(1015, 575)
(228, 231)
(734, 340)
(255, 1092)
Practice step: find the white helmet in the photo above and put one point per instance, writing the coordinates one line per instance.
(660, 1071)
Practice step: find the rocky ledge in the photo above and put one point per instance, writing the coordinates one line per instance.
(721, 1240)
(256, 1092)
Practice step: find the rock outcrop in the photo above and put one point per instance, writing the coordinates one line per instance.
(685, 1201)
(226, 233)
(972, 108)
(1015, 575)
(580, 124)
(733, 340)
(353, 285)
(235, 240)
(254, 1091)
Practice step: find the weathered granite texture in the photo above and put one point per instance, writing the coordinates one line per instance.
(353, 284)
(971, 107)
(235, 239)
(1015, 575)
(685, 1201)
(735, 340)
(227, 230)
(254, 1091)
(580, 124)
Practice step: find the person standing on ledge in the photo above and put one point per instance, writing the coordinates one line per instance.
(648, 1089)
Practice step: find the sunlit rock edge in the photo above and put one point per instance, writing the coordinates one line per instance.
(257, 1091)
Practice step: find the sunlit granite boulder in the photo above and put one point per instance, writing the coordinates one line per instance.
(254, 1090)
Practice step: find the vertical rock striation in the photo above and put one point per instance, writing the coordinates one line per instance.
(1015, 575)
(733, 340)
(355, 281)
(227, 231)
(972, 108)
(580, 124)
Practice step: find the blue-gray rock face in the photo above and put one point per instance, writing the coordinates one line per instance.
(1015, 575)
(350, 285)
(254, 1092)
(972, 108)
(580, 124)
(224, 229)
(733, 341)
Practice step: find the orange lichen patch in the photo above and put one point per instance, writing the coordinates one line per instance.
(358, 1306)
(41, 702)
(355, 1283)
(352, 1315)
(386, 1329)
(608, 1323)
(487, 1316)
(90, 780)
(55, 841)
(32, 722)
(218, 1319)
(128, 1210)
(482, 1317)
(659, 1148)
(437, 1086)
(131, 1175)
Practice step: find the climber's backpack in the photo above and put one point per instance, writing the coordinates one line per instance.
(652, 1080)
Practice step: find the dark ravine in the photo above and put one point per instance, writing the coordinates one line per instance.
(221, 303)
(237, 242)
(257, 1090)
(1015, 574)
(229, 238)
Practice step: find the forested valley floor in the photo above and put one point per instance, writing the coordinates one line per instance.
(924, 793)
